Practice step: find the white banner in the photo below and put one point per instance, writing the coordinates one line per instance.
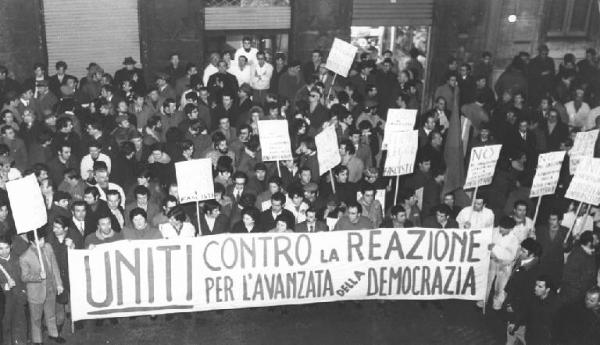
(128, 278)
(194, 180)
(275, 141)
(585, 186)
(482, 166)
(401, 153)
(583, 146)
(398, 120)
(340, 57)
(26, 203)
(328, 152)
(547, 173)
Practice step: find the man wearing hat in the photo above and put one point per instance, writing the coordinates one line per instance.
(131, 73)
(290, 82)
(44, 99)
(165, 91)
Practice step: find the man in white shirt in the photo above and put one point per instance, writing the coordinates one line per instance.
(241, 70)
(476, 217)
(247, 50)
(261, 78)
(87, 162)
(504, 249)
(212, 68)
(524, 227)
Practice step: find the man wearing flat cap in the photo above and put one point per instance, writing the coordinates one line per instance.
(133, 74)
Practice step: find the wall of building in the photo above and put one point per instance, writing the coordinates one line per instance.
(20, 36)
(171, 26)
(315, 23)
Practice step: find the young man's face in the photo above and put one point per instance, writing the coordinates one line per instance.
(59, 230)
(521, 211)
(353, 214)
(9, 134)
(104, 225)
(79, 212)
(441, 217)
(139, 222)
(553, 220)
(540, 288)
(4, 250)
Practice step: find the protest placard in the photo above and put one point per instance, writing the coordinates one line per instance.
(274, 139)
(547, 173)
(26, 203)
(398, 120)
(194, 180)
(585, 186)
(129, 278)
(340, 57)
(328, 153)
(401, 153)
(583, 146)
(482, 166)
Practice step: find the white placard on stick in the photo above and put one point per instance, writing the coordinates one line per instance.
(328, 153)
(341, 57)
(583, 146)
(401, 153)
(27, 203)
(585, 186)
(547, 173)
(195, 180)
(398, 120)
(482, 165)
(275, 141)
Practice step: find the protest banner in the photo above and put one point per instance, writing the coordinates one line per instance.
(194, 180)
(26, 203)
(226, 271)
(275, 141)
(585, 186)
(482, 166)
(583, 146)
(340, 57)
(328, 153)
(398, 120)
(547, 173)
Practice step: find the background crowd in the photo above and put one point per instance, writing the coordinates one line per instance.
(103, 148)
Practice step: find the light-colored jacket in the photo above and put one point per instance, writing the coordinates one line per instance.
(30, 273)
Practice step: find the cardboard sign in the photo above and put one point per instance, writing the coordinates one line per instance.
(341, 57)
(585, 186)
(275, 141)
(398, 120)
(547, 173)
(401, 153)
(328, 153)
(227, 271)
(195, 180)
(583, 146)
(482, 166)
(27, 204)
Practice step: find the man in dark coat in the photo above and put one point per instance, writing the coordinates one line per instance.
(541, 75)
(133, 74)
(551, 237)
(580, 271)
(519, 289)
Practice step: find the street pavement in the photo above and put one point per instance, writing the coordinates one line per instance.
(360, 323)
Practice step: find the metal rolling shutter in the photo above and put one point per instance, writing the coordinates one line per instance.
(83, 31)
(238, 18)
(392, 12)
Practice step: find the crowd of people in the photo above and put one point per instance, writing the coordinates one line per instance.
(103, 149)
